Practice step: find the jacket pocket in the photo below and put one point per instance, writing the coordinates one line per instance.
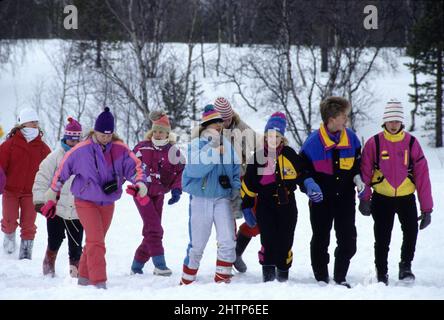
(346, 163)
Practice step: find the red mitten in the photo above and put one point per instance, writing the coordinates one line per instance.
(49, 209)
(132, 190)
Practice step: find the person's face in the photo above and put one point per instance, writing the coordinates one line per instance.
(71, 143)
(393, 126)
(337, 123)
(160, 134)
(227, 122)
(103, 138)
(31, 124)
(273, 139)
(218, 126)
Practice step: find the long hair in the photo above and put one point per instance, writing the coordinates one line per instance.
(114, 138)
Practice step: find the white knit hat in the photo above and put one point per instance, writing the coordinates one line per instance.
(393, 111)
(224, 108)
(27, 115)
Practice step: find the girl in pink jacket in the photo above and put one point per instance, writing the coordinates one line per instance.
(394, 166)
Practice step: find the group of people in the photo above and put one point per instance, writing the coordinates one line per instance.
(75, 188)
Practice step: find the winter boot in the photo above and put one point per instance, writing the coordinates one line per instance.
(405, 271)
(188, 275)
(383, 277)
(281, 275)
(321, 275)
(26, 249)
(136, 267)
(100, 285)
(9, 243)
(49, 263)
(241, 243)
(223, 271)
(160, 268)
(81, 281)
(74, 268)
(268, 273)
(343, 283)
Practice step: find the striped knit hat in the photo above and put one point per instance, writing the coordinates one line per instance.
(393, 111)
(73, 130)
(210, 115)
(224, 107)
(160, 121)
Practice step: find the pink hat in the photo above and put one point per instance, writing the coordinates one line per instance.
(160, 121)
(73, 130)
(224, 107)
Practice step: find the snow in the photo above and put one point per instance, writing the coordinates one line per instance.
(23, 279)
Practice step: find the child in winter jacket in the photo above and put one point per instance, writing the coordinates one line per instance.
(64, 216)
(211, 176)
(162, 176)
(100, 165)
(333, 154)
(20, 156)
(271, 180)
(394, 165)
(244, 141)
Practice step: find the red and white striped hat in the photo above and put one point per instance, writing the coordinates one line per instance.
(393, 111)
(224, 108)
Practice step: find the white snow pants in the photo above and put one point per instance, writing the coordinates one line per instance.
(203, 213)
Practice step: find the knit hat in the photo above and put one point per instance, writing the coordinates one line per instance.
(160, 121)
(393, 111)
(278, 122)
(73, 130)
(27, 115)
(210, 115)
(105, 122)
(224, 107)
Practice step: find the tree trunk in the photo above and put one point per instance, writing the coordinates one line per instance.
(439, 75)
(416, 97)
(324, 49)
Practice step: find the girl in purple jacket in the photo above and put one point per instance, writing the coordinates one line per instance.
(163, 165)
(100, 164)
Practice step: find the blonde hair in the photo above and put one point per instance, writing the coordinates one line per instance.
(114, 138)
(171, 136)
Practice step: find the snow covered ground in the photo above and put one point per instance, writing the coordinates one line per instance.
(23, 279)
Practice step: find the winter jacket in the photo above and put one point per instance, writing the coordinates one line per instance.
(204, 167)
(93, 168)
(264, 176)
(65, 206)
(162, 175)
(2, 180)
(392, 178)
(333, 165)
(20, 161)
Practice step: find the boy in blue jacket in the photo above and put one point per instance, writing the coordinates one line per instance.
(211, 177)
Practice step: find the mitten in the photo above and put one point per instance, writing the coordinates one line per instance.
(249, 217)
(314, 192)
(49, 209)
(365, 207)
(426, 219)
(175, 196)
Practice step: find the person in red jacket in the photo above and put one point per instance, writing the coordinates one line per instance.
(20, 157)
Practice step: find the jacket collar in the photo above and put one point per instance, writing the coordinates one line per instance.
(344, 140)
(394, 137)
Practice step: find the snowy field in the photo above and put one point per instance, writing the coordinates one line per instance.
(24, 280)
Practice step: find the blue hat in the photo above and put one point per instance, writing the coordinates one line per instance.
(278, 122)
(105, 122)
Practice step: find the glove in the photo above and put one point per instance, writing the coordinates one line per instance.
(365, 207)
(49, 209)
(38, 207)
(175, 196)
(135, 191)
(51, 195)
(360, 185)
(314, 192)
(249, 217)
(425, 218)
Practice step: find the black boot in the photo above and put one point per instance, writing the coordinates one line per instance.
(268, 273)
(383, 277)
(405, 271)
(281, 275)
(241, 243)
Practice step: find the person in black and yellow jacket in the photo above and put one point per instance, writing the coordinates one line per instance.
(333, 154)
(268, 189)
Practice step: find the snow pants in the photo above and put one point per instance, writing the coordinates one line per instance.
(96, 221)
(56, 233)
(18, 210)
(383, 211)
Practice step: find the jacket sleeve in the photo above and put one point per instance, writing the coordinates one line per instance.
(5, 153)
(2, 180)
(64, 170)
(132, 167)
(178, 168)
(43, 178)
(422, 178)
(368, 159)
(249, 186)
(356, 169)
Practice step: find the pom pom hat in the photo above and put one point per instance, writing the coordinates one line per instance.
(210, 115)
(277, 122)
(160, 121)
(105, 122)
(224, 108)
(73, 130)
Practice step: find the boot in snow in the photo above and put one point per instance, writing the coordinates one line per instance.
(9, 243)
(268, 273)
(136, 267)
(81, 281)
(160, 268)
(281, 275)
(26, 249)
(49, 263)
(74, 268)
(405, 271)
(241, 244)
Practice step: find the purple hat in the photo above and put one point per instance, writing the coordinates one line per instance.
(277, 122)
(73, 130)
(105, 122)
